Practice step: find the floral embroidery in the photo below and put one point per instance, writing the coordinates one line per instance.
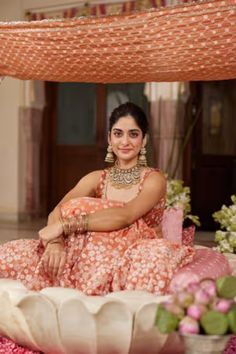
(101, 262)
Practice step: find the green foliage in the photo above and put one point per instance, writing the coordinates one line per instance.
(200, 307)
(226, 217)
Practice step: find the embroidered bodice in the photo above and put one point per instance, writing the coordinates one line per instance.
(154, 217)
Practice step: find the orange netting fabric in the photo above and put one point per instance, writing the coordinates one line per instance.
(196, 41)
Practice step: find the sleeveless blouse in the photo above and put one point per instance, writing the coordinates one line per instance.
(154, 216)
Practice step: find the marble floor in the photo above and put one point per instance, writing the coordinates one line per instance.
(29, 229)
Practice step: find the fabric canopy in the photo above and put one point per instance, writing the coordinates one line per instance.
(195, 41)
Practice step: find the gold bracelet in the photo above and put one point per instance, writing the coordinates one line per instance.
(65, 227)
(85, 222)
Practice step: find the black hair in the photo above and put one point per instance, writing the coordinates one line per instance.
(130, 109)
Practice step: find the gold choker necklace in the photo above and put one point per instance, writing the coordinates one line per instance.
(124, 178)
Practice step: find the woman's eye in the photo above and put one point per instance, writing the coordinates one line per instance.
(117, 134)
(134, 134)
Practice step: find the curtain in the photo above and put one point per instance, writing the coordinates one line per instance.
(31, 116)
(167, 102)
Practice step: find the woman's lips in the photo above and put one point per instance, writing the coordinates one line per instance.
(125, 150)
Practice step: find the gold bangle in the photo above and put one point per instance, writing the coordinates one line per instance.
(85, 219)
(65, 227)
(76, 224)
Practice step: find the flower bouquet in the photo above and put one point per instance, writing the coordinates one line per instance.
(178, 196)
(226, 217)
(203, 313)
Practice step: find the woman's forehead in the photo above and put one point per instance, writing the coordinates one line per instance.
(126, 123)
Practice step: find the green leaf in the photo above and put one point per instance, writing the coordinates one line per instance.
(214, 323)
(226, 287)
(166, 322)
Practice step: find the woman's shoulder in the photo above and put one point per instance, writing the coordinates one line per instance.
(94, 175)
(91, 180)
(97, 180)
(154, 173)
(153, 179)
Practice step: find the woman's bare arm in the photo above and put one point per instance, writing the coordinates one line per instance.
(86, 187)
(111, 219)
(154, 189)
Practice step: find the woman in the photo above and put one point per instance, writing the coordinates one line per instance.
(103, 235)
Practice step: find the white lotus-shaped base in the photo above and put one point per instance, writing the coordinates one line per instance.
(65, 321)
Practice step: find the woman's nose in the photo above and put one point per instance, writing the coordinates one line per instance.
(125, 139)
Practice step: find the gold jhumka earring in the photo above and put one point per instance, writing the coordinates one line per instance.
(109, 156)
(142, 160)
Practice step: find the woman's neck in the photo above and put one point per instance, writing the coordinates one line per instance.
(126, 164)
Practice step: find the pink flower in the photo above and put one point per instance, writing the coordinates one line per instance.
(195, 311)
(222, 305)
(188, 326)
(209, 286)
(202, 297)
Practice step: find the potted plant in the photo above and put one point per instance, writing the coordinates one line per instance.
(203, 313)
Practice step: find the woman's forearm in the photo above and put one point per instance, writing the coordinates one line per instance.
(103, 220)
(108, 220)
(54, 216)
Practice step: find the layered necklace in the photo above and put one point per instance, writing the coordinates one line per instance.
(124, 178)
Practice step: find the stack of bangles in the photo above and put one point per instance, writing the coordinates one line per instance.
(77, 224)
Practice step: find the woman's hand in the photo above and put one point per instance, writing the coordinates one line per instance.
(53, 259)
(50, 232)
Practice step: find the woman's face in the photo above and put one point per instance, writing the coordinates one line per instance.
(126, 139)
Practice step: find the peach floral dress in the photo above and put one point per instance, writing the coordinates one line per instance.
(132, 258)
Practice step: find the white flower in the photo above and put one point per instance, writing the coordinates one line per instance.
(226, 217)
(178, 195)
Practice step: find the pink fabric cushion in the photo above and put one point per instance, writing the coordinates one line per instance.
(188, 236)
(207, 263)
(172, 225)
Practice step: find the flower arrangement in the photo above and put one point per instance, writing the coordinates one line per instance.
(178, 195)
(205, 307)
(226, 237)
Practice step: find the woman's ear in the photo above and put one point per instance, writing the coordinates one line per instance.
(145, 140)
(109, 138)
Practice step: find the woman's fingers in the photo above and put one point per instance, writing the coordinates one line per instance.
(54, 261)
(45, 261)
(51, 263)
(57, 256)
(62, 263)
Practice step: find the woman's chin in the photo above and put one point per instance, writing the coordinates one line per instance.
(127, 159)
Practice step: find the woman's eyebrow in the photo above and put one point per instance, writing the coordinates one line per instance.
(117, 129)
(135, 130)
